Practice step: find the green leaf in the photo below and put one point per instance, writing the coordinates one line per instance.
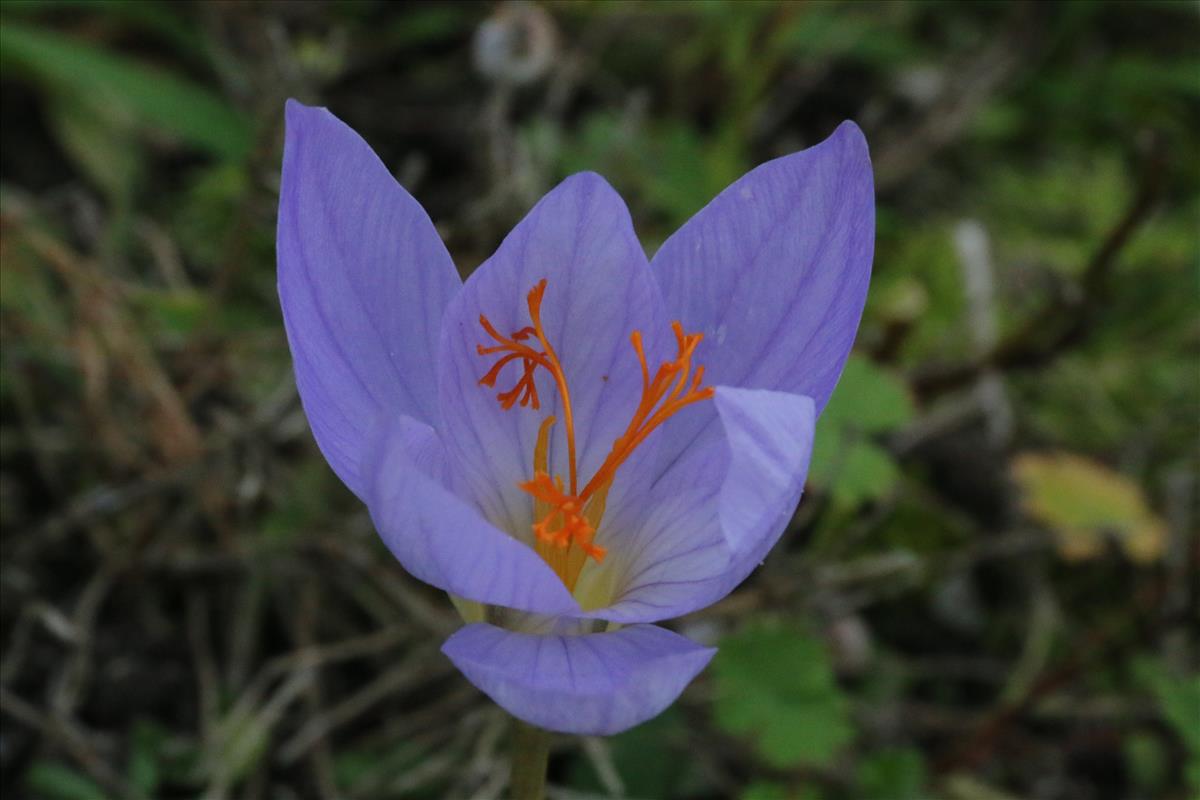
(1178, 699)
(867, 473)
(1146, 761)
(868, 399)
(1191, 773)
(154, 98)
(145, 748)
(762, 790)
(856, 471)
(893, 774)
(159, 20)
(765, 791)
(774, 684)
(53, 781)
(99, 142)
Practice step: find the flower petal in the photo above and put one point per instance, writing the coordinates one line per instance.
(596, 684)
(714, 517)
(440, 539)
(363, 280)
(774, 272)
(599, 290)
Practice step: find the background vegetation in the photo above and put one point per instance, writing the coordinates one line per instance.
(990, 589)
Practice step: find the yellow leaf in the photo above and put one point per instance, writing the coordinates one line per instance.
(1084, 502)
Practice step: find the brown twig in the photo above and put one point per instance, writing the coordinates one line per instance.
(70, 682)
(64, 733)
(413, 670)
(106, 327)
(971, 87)
(1070, 315)
(304, 634)
(1099, 644)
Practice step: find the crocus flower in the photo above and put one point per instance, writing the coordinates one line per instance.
(576, 443)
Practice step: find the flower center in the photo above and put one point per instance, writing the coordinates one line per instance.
(567, 518)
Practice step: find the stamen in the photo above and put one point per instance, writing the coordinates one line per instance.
(546, 358)
(665, 385)
(526, 388)
(534, 301)
(566, 521)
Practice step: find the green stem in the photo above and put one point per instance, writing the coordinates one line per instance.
(531, 752)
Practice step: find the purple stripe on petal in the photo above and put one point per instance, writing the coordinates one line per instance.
(440, 539)
(774, 272)
(363, 281)
(596, 684)
(716, 515)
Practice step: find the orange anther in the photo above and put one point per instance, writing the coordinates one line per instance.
(566, 521)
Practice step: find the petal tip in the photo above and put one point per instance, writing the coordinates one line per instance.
(851, 140)
(298, 116)
(294, 111)
(699, 659)
(588, 183)
(849, 130)
(587, 176)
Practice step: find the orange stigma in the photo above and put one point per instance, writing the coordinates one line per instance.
(566, 519)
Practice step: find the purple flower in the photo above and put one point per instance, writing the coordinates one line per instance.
(575, 443)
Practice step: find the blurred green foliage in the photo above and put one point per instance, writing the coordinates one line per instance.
(120, 96)
(773, 683)
(983, 596)
(1178, 698)
(893, 773)
(869, 402)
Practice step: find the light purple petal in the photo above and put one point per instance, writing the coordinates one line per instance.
(363, 281)
(774, 272)
(597, 684)
(714, 517)
(440, 539)
(579, 237)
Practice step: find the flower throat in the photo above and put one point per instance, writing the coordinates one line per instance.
(566, 518)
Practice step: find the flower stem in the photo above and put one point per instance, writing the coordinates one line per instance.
(531, 752)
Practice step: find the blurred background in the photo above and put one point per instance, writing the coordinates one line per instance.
(989, 591)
